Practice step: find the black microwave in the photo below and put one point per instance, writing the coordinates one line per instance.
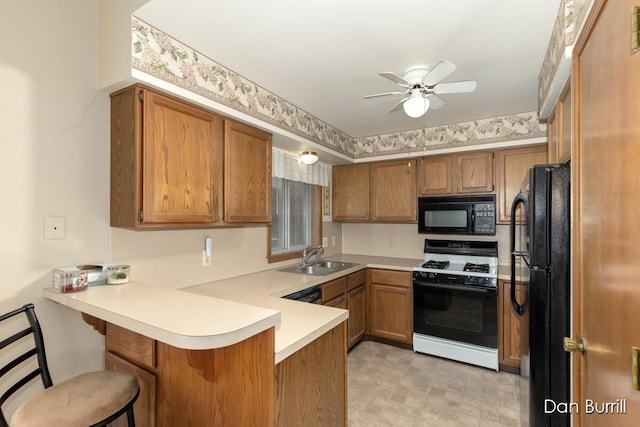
(457, 215)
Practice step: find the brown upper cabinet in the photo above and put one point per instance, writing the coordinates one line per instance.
(512, 167)
(393, 191)
(455, 174)
(376, 192)
(559, 130)
(564, 134)
(552, 136)
(247, 174)
(167, 165)
(351, 192)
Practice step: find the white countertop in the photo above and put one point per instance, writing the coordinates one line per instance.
(301, 322)
(177, 318)
(232, 310)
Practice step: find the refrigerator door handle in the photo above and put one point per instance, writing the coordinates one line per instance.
(521, 198)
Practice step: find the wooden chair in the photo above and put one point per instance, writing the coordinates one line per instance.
(92, 399)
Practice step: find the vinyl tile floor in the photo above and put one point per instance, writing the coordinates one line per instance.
(390, 386)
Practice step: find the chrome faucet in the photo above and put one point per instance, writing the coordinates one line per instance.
(308, 252)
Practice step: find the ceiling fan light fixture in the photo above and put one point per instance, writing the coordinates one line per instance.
(416, 106)
(309, 157)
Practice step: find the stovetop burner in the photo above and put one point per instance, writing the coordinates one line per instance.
(467, 259)
(476, 268)
(439, 265)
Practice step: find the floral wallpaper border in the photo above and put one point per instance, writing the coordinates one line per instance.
(486, 131)
(157, 54)
(571, 16)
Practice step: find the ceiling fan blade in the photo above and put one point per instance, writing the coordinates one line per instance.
(439, 72)
(384, 94)
(395, 78)
(455, 87)
(398, 105)
(435, 102)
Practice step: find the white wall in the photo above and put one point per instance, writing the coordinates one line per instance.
(403, 240)
(173, 258)
(54, 146)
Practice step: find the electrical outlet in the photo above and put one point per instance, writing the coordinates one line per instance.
(206, 260)
(325, 242)
(53, 227)
(333, 240)
(390, 243)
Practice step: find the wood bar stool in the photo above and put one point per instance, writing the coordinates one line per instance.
(93, 399)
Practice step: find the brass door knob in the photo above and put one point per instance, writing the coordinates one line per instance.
(571, 345)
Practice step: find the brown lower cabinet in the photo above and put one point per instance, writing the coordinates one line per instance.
(356, 302)
(348, 293)
(238, 385)
(311, 384)
(390, 308)
(145, 406)
(511, 332)
(229, 386)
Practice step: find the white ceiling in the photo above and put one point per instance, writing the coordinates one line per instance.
(324, 55)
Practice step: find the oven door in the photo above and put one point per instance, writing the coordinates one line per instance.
(461, 313)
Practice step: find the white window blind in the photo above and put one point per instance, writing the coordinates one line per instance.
(291, 216)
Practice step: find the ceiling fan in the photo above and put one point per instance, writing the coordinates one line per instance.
(421, 86)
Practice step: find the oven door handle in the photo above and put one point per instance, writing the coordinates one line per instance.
(476, 289)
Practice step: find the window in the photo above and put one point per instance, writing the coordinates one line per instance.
(295, 218)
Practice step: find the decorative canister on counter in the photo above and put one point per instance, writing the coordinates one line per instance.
(74, 281)
(118, 274)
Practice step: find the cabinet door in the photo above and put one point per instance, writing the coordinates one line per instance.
(391, 311)
(564, 135)
(351, 192)
(356, 304)
(247, 174)
(182, 162)
(393, 191)
(144, 409)
(511, 330)
(512, 175)
(474, 172)
(435, 175)
(552, 135)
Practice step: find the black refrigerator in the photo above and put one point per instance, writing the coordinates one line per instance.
(544, 367)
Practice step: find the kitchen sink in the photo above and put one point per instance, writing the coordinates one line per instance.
(334, 265)
(319, 269)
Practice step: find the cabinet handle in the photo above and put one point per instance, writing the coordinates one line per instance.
(635, 28)
(635, 369)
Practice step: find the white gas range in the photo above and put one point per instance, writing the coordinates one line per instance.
(456, 301)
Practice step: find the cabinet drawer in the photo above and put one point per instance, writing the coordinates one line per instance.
(130, 345)
(391, 277)
(340, 302)
(354, 280)
(334, 289)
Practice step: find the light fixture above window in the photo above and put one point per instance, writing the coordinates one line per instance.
(309, 157)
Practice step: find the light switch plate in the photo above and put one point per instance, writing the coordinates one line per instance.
(53, 227)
